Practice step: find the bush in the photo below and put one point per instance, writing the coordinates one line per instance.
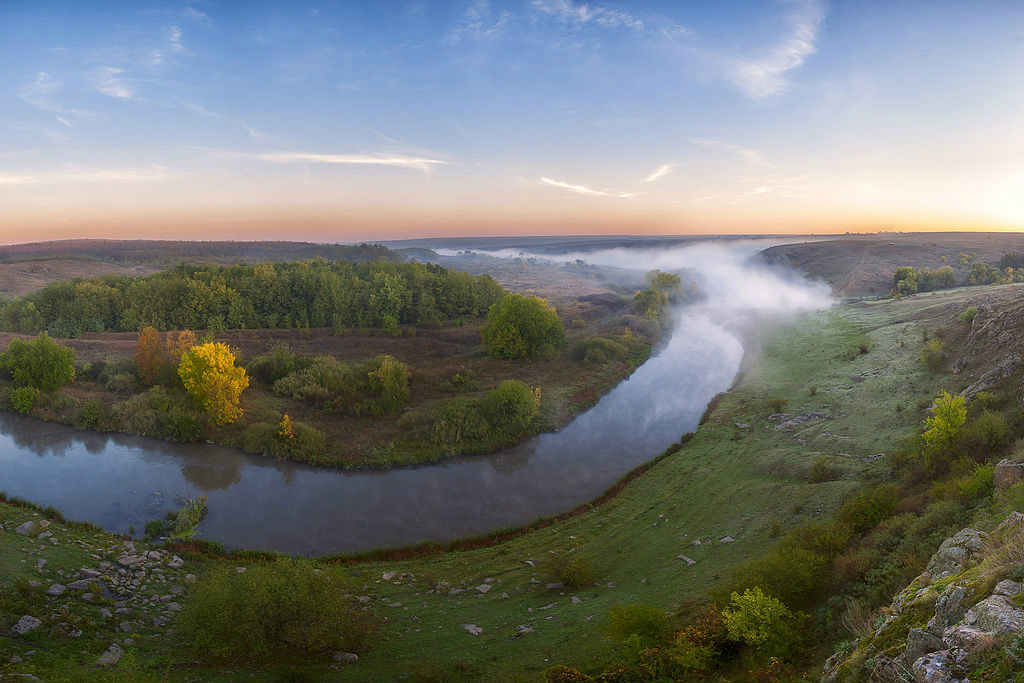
(391, 379)
(157, 413)
(91, 414)
(271, 612)
(820, 471)
(932, 354)
(39, 362)
(459, 381)
(982, 437)
(511, 407)
(868, 509)
(636, 619)
(759, 620)
(456, 424)
(23, 399)
(121, 383)
(522, 327)
(306, 444)
(281, 362)
(697, 645)
(969, 314)
(977, 484)
(327, 383)
(598, 350)
(573, 570)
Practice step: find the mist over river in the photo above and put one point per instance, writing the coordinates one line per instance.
(119, 481)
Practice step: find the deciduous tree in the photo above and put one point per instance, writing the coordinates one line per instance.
(209, 374)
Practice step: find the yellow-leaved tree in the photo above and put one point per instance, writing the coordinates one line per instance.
(209, 375)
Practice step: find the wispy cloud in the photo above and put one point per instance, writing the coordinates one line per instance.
(477, 24)
(584, 190)
(108, 81)
(424, 164)
(659, 173)
(84, 176)
(766, 76)
(41, 92)
(580, 14)
(751, 156)
(174, 36)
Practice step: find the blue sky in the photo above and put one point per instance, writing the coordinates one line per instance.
(351, 120)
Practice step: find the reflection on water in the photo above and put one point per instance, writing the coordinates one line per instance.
(118, 480)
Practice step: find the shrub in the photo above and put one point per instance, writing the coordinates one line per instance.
(150, 355)
(460, 380)
(977, 484)
(121, 383)
(457, 423)
(522, 327)
(271, 612)
(391, 379)
(697, 645)
(565, 674)
(155, 412)
(23, 399)
(578, 323)
(948, 414)
(983, 436)
(188, 517)
(326, 382)
(647, 303)
(281, 362)
(636, 619)
(511, 407)
(307, 443)
(932, 354)
(757, 619)
(820, 471)
(91, 414)
(573, 570)
(39, 362)
(969, 314)
(598, 350)
(776, 405)
(869, 508)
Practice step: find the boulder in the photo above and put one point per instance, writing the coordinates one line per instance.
(345, 657)
(949, 609)
(1011, 522)
(1007, 473)
(26, 624)
(955, 553)
(27, 529)
(111, 657)
(56, 589)
(966, 638)
(1007, 588)
(937, 667)
(473, 629)
(996, 614)
(921, 643)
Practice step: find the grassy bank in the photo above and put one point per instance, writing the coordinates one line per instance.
(826, 393)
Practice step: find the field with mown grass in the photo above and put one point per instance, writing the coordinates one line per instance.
(823, 403)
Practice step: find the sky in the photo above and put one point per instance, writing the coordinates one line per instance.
(352, 121)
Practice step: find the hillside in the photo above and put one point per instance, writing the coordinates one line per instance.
(863, 265)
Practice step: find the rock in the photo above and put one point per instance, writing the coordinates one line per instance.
(80, 585)
(1007, 473)
(686, 559)
(177, 563)
(67, 630)
(111, 657)
(996, 614)
(955, 553)
(56, 589)
(484, 587)
(921, 643)
(1007, 588)
(27, 529)
(191, 578)
(345, 657)
(727, 539)
(26, 624)
(575, 600)
(522, 630)
(740, 425)
(695, 543)
(387, 576)
(556, 586)
(949, 609)
(125, 626)
(89, 573)
(1012, 520)
(936, 667)
(238, 570)
(363, 599)
(442, 587)
(965, 638)
(473, 629)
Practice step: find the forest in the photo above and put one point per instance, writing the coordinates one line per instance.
(307, 294)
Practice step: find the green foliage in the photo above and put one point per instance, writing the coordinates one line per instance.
(908, 280)
(648, 303)
(456, 424)
(511, 407)
(636, 619)
(23, 399)
(758, 620)
(307, 443)
(698, 645)
(188, 517)
(523, 327)
(598, 351)
(271, 612)
(969, 314)
(868, 509)
(948, 413)
(664, 283)
(121, 383)
(281, 362)
(977, 484)
(820, 470)
(155, 412)
(391, 379)
(573, 570)
(39, 362)
(932, 354)
(268, 295)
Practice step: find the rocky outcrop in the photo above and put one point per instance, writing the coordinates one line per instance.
(1007, 473)
(948, 615)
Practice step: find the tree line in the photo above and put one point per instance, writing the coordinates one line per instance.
(909, 280)
(313, 293)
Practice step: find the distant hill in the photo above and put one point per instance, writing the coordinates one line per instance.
(863, 265)
(26, 268)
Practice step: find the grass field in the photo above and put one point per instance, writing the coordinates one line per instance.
(851, 388)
